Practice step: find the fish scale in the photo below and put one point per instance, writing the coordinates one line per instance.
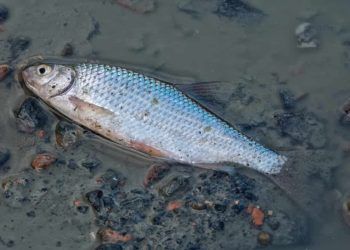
(159, 115)
(147, 114)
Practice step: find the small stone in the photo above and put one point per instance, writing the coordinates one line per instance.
(198, 206)
(307, 36)
(95, 199)
(67, 50)
(264, 238)
(67, 134)
(4, 71)
(108, 235)
(31, 116)
(4, 13)
(109, 247)
(173, 205)
(82, 209)
(217, 225)
(31, 214)
(257, 215)
(91, 163)
(43, 160)
(4, 155)
(345, 113)
(220, 207)
(177, 184)
(346, 211)
(155, 173)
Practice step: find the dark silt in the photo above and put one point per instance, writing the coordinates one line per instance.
(279, 71)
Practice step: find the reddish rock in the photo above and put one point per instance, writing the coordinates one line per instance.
(43, 160)
(4, 70)
(155, 172)
(108, 235)
(173, 205)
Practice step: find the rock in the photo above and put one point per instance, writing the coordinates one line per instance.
(155, 173)
(220, 208)
(344, 118)
(67, 50)
(83, 209)
(198, 205)
(4, 155)
(4, 71)
(307, 36)
(346, 211)
(108, 235)
(176, 185)
(67, 134)
(264, 238)
(95, 199)
(257, 215)
(31, 214)
(4, 13)
(31, 116)
(238, 9)
(138, 6)
(109, 247)
(173, 205)
(112, 179)
(18, 45)
(43, 160)
(90, 162)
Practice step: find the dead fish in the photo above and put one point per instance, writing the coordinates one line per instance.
(146, 114)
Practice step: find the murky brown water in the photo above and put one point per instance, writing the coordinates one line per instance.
(256, 56)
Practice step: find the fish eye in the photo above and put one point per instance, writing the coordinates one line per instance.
(43, 70)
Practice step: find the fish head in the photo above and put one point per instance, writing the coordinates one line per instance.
(49, 80)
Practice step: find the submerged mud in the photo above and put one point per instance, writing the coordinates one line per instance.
(64, 187)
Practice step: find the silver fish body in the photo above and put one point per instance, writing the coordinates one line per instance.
(146, 114)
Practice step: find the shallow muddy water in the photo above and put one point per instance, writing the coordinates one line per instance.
(284, 96)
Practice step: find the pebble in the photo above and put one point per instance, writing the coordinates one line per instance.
(67, 134)
(346, 211)
(108, 235)
(307, 36)
(109, 247)
(4, 13)
(220, 207)
(43, 160)
(91, 163)
(4, 71)
(198, 205)
(345, 113)
(238, 9)
(31, 116)
(155, 173)
(264, 238)
(176, 184)
(4, 155)
(173, 205)
(257, 215)
(95, 199)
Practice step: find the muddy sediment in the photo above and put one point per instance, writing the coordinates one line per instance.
(64, 187)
